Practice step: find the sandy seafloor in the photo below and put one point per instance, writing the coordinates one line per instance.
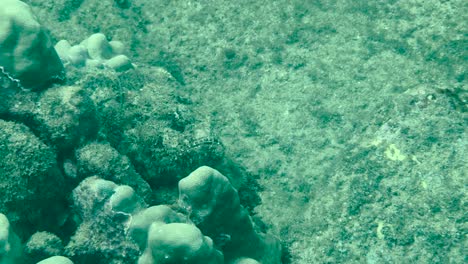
(351, 113)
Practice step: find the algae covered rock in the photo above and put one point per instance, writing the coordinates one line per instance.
(103, 211)
(103, 160)
(144, 115)
(31, 185)
(42, 245)
(66, 116)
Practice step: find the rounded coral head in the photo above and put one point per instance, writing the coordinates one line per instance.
(26, 51)
(176, 243)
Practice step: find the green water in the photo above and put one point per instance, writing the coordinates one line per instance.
(346, 118)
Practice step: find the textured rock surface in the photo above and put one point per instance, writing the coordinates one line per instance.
(106, 162)
(103, 211)
(42, 245)
(31, 184)
(65, 117)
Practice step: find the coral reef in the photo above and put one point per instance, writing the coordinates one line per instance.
(347, 118)
(89, 167)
